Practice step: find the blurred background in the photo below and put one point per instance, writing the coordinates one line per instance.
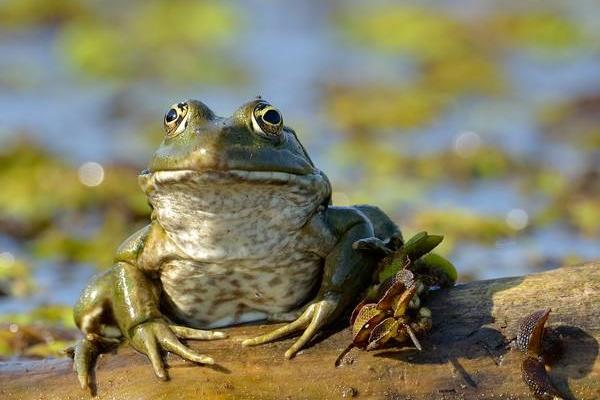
(478, 120)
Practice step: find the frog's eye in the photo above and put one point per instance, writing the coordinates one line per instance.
(267, 120)
(171, 116)
(175, 119)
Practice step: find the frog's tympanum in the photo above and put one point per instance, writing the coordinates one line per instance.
(242, 229)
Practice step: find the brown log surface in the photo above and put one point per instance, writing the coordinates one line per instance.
(466, 356)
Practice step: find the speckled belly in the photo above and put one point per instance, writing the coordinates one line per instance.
(249, 243)
(220, 294)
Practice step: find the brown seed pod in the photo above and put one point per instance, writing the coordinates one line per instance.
(394, 287)
(391, 309)
(535, 376)
(531, 332)
(382, 333)
(375, 325)
(357, 310)
(533, 369)
(402, 302)
(395, 284)
(368, 317)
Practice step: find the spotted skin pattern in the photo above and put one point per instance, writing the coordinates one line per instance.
(247, 255)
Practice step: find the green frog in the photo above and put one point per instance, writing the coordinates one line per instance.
(242, 229)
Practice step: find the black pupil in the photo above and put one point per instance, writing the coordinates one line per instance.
(171, 115)
(272, 117)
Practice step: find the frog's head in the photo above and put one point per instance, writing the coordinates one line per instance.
(254, 138)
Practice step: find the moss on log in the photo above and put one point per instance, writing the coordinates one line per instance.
(467, 355)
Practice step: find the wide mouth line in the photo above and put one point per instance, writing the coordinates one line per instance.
(225, 172)
(314, 182)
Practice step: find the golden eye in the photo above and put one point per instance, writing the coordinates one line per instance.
(174, 119)
(267, 120)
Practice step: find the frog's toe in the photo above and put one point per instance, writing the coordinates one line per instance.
(145, 342)
(84, 355)
(279, 333)
(183, 332)
(321, 315)
(172, 344)
(372, 244)
(150, 337)
(312, 320)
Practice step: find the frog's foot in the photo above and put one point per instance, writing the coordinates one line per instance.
(150, 337)
(311, 321)
(183, 332)
(85, 353)
(372, 244)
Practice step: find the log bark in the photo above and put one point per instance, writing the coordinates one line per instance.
(468, 354)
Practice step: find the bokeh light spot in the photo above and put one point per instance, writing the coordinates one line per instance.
(517, 219)
(467, 143)
(91, 173)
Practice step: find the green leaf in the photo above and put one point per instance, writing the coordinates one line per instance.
(421, 244)
(390, 266)
(437, 270)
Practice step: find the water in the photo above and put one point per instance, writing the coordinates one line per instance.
(291, 50)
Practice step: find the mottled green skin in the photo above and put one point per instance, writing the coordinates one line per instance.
(126, 300)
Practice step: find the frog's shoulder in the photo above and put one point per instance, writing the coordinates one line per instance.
(130, 248)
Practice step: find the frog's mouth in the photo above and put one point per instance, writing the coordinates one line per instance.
(275, 177)
(195, 180)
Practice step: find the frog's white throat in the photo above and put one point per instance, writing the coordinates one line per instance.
(218, 216)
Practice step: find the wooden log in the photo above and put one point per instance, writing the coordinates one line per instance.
(467, 355)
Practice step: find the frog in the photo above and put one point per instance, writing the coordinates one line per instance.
(242, 229)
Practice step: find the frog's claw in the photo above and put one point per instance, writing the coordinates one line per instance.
(84, 355)
(372, 244)
(312, 320)
(150, 337)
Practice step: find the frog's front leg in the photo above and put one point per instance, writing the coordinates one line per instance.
(140, 320)
(123, 302)
(347, 271)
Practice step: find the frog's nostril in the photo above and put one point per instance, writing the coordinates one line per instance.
(171, 115)
(272, 117)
